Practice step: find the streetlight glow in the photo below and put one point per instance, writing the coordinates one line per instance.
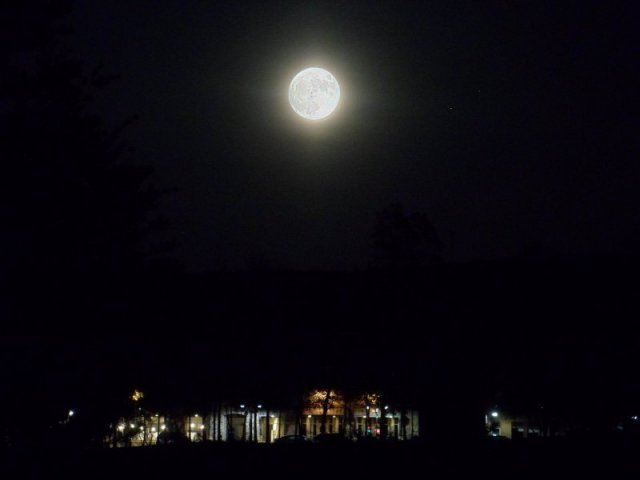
(137, 395)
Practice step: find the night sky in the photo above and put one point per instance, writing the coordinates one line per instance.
(512, 125)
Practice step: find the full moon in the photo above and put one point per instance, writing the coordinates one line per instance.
(314, 93)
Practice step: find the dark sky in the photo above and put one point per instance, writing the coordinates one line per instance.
(510, 124)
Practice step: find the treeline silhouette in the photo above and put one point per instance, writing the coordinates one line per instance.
(456, 340)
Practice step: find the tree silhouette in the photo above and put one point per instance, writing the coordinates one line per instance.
(70, 204)
(402, 241)
(73, 210)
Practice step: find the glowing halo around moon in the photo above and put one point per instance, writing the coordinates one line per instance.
(314, 93)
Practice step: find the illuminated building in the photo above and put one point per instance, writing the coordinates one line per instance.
(362, 416)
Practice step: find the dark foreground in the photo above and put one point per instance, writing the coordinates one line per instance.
(486, 459)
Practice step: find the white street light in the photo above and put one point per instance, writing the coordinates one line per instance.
(494, 414)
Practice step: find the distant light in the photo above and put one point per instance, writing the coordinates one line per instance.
(635, 417)
(196, 415)
(121, 428)
(367, 407)
(242, 406)
(193, 425)
(71, 413)
(334, 416)
(386, 407)
(132, 425)
(141, 427)
(156, 415)
(494, 414)
(201, 427)
(163, 427)
(259, 406)
(153, 429)
(137, 395)
(273, 416)
(308, 416)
